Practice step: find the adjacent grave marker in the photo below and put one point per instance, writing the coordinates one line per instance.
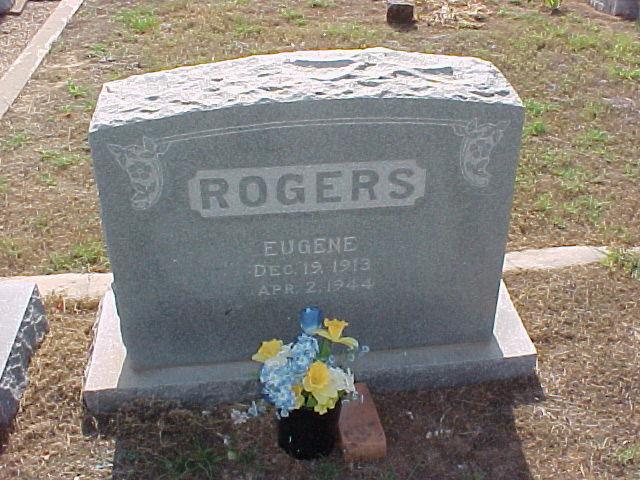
(22, 327)
(629, 9)
(376, 184)
(400, 12)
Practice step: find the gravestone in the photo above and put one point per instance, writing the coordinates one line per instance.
(628, 9)
(23, 325)
(400, 12)
(376, 184)
(5, 6)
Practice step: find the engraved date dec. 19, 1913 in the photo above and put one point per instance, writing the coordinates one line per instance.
(311, 266)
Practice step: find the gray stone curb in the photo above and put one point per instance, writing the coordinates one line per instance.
(19, 73)
(76, 286)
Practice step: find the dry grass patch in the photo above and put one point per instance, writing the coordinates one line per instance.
(578, 420)
(579, 173)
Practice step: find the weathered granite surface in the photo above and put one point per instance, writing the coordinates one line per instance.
(374, 73)
(110, 382)
(375, 184)
(23, 325)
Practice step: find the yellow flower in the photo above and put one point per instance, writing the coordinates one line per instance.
(335, 327)
(327, 404)
(321, 382)
(267, 350)
(334, 333)
(297, 391)
(317, 377)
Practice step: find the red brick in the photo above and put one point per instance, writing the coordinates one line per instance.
(361, 435)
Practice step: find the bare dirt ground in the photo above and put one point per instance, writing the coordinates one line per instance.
(578, 419)
(578, 74)
(17, 30)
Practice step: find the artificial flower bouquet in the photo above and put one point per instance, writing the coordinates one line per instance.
(305, 383)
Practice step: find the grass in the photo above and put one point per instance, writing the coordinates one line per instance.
(10, 248)
(75, 90)
(321, 4)
(536, 108)
(47, 179)
(625, 260)
(535, 128)
(89, 256)
(594, 110)
(41, 221)
(244, 28)
(625, 73)
(15, 141)
(592, 136)
(326, 470)
(197, 461)
(579, 42)
(632, 169)
(573, 178)
(629, 455)
(65, 109)
(294, 16)
(352, 32)
(139, 20)
(60, 159)
(4, 185)
(98, 50)
(586, 207)
(544, 203)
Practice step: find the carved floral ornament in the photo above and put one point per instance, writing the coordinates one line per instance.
(143, 165)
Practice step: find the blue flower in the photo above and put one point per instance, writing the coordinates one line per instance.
(303, 353)
(310, 319)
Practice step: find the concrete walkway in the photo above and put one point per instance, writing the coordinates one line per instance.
(19, 73)
(77, 286)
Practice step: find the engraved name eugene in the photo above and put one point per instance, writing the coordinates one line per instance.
(312, 266)
(303, 188)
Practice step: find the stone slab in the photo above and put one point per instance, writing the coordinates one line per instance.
(553, 258)
(23, 325)
(361, 436)
(18, 7)
(372, 183)
(628, 9)
(110, 381)
(71, 286)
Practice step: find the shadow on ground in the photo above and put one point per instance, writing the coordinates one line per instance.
(462, 433)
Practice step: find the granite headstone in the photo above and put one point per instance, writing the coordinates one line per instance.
(376, 184)
(23, 325)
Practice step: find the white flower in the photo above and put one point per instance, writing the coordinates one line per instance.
(342, 380)
(279, 359)
(239, 417)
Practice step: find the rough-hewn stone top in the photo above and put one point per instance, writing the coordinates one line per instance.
(296, 76)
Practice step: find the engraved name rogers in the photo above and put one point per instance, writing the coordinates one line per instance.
(306, 188)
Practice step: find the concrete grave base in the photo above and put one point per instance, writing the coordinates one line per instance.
(23, 325)
(110, 382)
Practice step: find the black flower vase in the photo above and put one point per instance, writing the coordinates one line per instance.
(305, 434)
